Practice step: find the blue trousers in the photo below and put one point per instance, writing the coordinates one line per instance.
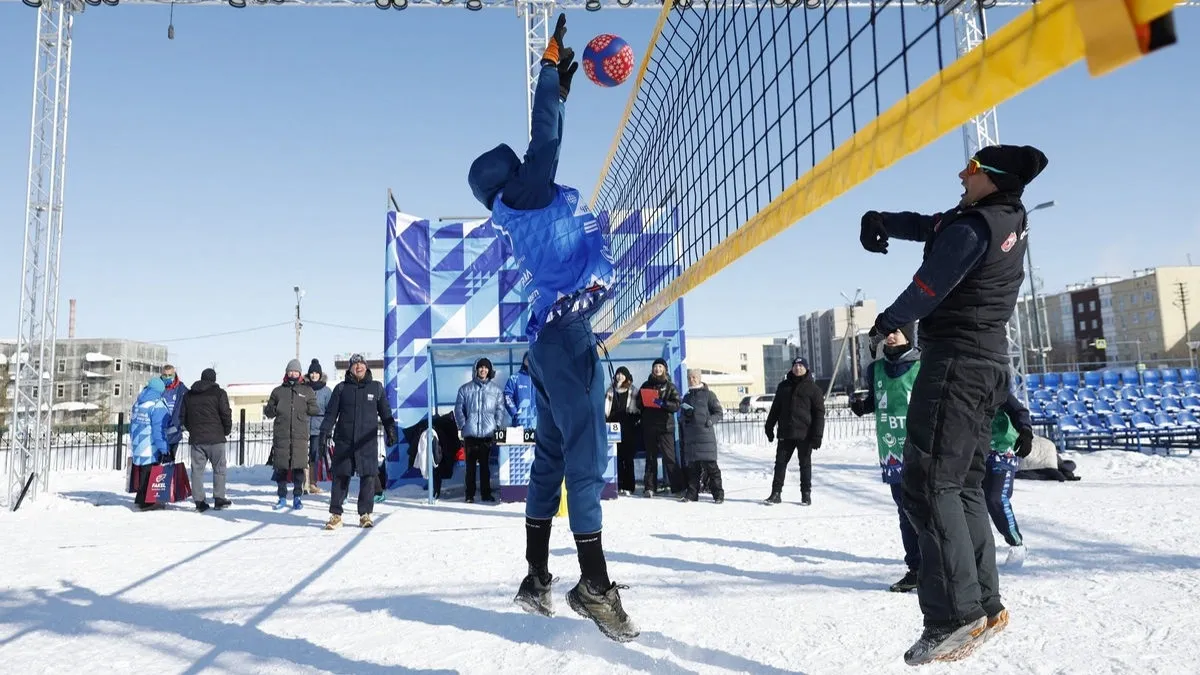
(571, 440)
(997, 491)
(908, 533)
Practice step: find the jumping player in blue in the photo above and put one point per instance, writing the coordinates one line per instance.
(566, 271)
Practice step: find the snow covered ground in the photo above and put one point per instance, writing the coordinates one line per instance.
(1111, 585)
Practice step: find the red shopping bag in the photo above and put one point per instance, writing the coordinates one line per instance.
(181, 485)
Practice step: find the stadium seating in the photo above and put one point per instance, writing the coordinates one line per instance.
(1156, 409)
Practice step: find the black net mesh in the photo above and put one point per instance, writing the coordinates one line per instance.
(738, 101)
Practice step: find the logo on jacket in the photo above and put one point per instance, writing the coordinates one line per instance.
(370, 397)
(1009, 243)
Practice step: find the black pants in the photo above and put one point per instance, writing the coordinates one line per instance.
(366, 493)
(661, 444)
(783, 455)
(281, 483)
(949, 426)
(712, 479)
(908, 535)
(626, 450)
(479, 454)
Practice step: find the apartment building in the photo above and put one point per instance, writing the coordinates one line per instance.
(823, 333)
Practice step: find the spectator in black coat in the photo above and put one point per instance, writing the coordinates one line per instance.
(700, 410)
(356, 408)
(657, 403)
(206, 415)
(620, 407)
(799, 410)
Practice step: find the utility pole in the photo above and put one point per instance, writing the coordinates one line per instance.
(1040, 335)
(1181, 301)
(299, 294)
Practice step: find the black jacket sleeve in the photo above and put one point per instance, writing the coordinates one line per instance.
(908, 225)
(331, 411)
(816, 430)
(224, 411)
(957, 250)
(1017, 412)
(773, 413)
(671, 397)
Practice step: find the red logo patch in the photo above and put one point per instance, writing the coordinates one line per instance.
(1009, 243)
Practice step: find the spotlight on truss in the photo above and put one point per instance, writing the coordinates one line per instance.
(474, 5)
(239, 4)
(592, 5)
(32, 3)
(400, 4)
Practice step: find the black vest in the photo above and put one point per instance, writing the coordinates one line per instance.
(973, 317)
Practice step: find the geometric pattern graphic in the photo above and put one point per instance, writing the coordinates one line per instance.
(457, 284)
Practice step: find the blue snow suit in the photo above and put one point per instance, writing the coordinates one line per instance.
(566, 270)
(148, 427)
(519, 398)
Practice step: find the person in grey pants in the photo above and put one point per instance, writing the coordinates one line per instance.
(206, 416)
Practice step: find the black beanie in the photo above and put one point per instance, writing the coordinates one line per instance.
(486, 362)
(314, 367)
(1020, 164)
(208, 375)
(662, 361)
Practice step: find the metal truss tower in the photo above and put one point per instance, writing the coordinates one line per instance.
(970, 29)
(29, 461)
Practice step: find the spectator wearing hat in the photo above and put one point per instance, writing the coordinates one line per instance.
(964, 295)
(208, 419)
(798, 411)
(479, 411)
(290, 406)
(657, 402)
(320, 386)
(700, 410)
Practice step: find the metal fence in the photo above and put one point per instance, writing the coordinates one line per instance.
(106, 447)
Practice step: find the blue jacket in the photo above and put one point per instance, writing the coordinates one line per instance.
(172, 397)
(323, 395)
(558, 244)
(479, 408)
(519, 399)
(148, 428)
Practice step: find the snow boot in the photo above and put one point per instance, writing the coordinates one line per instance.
(281, 504)
(201, 506)
(719, 498)
(534, 594)
(773, 499)
(648, 494)
(996, 623)
(219, 503)
(603, 607)
(806, 499)
(334, 522)
(907, 583)
(364, 521)
(940, 642)
(296, 505)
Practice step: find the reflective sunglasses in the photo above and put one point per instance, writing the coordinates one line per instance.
(974, 167)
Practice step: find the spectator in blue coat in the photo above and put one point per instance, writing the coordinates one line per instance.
(519, 399)
(566, 269)
(479, 412)
(148, 438)
(173, 396)
(319, 383)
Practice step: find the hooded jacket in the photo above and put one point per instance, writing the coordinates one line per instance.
(290, 406)
(479, 407)
(701, 410)
(205, 413)
(799, 410)
(356, 410)
(148, 426)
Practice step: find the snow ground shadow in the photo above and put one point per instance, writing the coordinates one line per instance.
(784, 578)
(559, 633)
(482, 510)
(797, 553)
(286, 517)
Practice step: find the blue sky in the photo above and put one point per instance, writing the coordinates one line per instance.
(210, 174)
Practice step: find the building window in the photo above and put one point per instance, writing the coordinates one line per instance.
(116, 389)
(1082, 325)
(1150, 314)
(62, 365)
(60, 391)
(1095, 324)
(1091, 305)
(745, 368)
(84, 390)
(1079, 308)
(743, 357)
(1137, 317)
(1148, 297)
(117, 365)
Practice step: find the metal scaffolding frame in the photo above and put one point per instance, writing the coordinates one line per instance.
(34, 359)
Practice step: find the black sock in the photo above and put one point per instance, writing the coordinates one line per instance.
(537, 543)
(591, 560)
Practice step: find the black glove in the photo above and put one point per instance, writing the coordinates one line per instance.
(389, 435)
(770, 434)
(874, 338)
(1025, 442)
(816, 445)
(554, 49)
(567, 65)
(874, 236)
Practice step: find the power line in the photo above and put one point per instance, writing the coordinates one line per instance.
(228, 332)
(342, 326)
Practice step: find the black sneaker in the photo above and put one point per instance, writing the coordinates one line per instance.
(534, 594)
(944, 643)
(719, 498)
(219, 504)
(907, 583)
(603, 606)
(201, 506)
(773, 499)
(805, 499)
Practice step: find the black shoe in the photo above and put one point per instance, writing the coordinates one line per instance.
(805, 499)
(648, 494)
(907, 583)
(201, 506)
(219, 504)
(945, 643)
(719, 498)
(773, 499)
(534, 594)
(603, 606)
(489, 498)
(470, 500)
